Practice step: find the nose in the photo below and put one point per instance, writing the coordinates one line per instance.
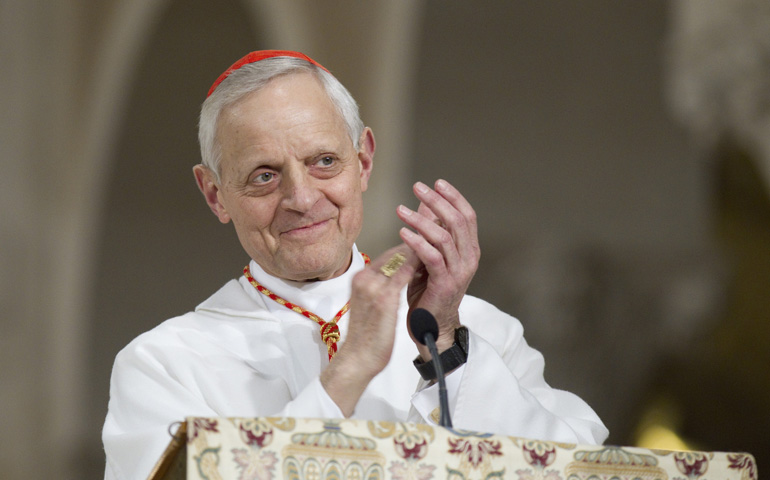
(300, 191)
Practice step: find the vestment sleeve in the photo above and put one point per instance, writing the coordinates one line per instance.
(157, 382)
(145, 401)
(501, 388)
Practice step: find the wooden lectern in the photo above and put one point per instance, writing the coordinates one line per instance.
(316, 449)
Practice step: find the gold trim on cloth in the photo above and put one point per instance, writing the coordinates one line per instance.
(305, 449)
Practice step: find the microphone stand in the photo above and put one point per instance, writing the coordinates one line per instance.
(444, 419)
(425, 329)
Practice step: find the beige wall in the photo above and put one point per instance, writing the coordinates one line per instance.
(549, 115)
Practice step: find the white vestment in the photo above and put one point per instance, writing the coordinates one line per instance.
(241, 354)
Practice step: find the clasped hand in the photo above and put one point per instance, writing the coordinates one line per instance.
(445, 240)
(442, 254)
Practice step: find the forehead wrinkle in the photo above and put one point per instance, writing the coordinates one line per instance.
(297, 141)
(298, 127)
(273, 119)
(280, 101)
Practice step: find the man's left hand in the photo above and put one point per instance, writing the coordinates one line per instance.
(446, 242)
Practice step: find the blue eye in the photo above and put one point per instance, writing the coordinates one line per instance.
(264, 177)
(326, 161)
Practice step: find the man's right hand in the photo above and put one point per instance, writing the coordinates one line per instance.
(371, 333)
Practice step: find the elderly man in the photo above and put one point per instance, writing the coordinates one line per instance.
(309, 330)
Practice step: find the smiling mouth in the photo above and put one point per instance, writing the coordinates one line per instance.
(306, 229)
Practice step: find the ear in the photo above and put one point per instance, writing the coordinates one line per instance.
(366, 156)
(207, 184)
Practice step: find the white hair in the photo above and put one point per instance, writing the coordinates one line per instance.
(250, 78)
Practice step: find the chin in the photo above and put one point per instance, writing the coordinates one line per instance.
(320, 267)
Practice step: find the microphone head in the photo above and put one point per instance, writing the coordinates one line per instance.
(421, 323)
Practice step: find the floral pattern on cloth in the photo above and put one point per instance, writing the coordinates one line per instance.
(539, 455)
(476, 453)
(320, 449)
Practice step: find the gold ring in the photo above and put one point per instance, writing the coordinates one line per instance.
(393, 264)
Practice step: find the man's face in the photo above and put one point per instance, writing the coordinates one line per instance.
(291, 180)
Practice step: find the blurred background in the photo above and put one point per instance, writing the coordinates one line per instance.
(617, 154)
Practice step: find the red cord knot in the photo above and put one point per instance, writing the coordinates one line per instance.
(330, 334)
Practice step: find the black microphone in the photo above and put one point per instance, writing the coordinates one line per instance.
(425, 330)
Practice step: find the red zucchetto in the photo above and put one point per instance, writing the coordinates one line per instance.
(256, 57)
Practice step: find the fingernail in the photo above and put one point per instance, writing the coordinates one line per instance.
(421, 187)
(404, 210)
(441, 184)
(406, 232)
